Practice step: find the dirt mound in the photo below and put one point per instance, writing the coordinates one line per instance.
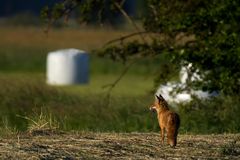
(87, 145)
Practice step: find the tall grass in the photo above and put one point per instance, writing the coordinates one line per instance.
(79, 108)
(87, 107)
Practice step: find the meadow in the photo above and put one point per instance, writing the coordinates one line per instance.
(26, 101)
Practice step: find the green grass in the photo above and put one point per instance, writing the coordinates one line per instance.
(78, 107)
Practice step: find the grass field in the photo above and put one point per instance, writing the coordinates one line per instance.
(26, 98)
(24, 92)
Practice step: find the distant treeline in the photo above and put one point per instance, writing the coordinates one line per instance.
(13, 7)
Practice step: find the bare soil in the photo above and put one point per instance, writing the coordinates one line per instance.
(88, 145)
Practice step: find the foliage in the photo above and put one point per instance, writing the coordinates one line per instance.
(215, 49)
(90, 11)
(200, 32)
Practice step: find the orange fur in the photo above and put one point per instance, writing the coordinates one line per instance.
(168, 121)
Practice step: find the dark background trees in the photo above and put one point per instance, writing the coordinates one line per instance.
(12, 7)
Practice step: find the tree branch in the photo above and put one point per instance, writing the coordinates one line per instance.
(68, 8)
(125, 37)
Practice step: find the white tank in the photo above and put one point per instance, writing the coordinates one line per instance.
(67, 66)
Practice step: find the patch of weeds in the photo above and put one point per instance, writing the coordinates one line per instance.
(41, 123)
(230, 149)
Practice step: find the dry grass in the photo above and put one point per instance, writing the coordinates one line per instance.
(117, 146)
(41, 122)
(86, 39)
